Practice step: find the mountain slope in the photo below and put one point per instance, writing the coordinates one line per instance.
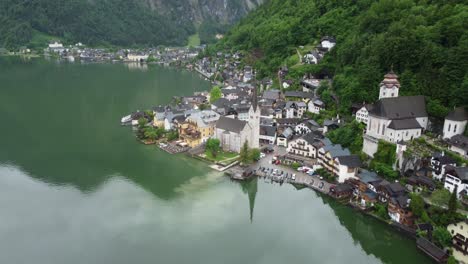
(118, 22)
(425, 41)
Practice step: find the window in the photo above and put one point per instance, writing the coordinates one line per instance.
(392, 94)
(455, 128)
(449, 127)
(383, 129)
(406, 133)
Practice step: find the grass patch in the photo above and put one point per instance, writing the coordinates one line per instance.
(222, 156)
(194, 40)
(41, 40)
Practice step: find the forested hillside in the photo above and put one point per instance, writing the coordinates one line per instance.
(426, 42)
(117, 22)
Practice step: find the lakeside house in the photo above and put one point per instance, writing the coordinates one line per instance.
(198, 127)
(459, 232)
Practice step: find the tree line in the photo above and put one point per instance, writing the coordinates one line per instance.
(102, 22)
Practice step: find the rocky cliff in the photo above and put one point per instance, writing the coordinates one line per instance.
(197, 11)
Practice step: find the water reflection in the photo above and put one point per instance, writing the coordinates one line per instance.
(137, 66)
(62, 123)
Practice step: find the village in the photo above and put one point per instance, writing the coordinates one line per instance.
(403, 174)
(79, 52)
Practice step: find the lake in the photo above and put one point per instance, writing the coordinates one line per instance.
(76, 187)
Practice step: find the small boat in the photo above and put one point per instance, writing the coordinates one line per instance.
(126, 119)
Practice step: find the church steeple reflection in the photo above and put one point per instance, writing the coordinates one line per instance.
(250, 188)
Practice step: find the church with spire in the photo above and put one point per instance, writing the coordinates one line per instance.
(233, 133)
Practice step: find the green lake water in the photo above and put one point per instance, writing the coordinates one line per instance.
(76, 187)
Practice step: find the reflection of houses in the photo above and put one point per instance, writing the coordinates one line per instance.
(198, 127)
(459, 232)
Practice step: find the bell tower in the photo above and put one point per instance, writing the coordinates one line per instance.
(390, 86)
(254, 121)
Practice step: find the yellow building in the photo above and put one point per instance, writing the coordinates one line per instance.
(198, 127)
(459, 232)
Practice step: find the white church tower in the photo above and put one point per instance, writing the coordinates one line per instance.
(390, 86)
(254, 121)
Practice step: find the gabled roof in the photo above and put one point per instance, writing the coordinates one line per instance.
(443, 159)
(269, 131)
(459, 172)
(299, 94)
(395, 188)
(403, 107)
(309, 138)
(459, 141)
(283, 121)
(230, 124)
(399, 124)
(352, 161)
(431, 249)
(336, 150)
(271, 94)
(366, 176)
(287, 133)
(458, 114)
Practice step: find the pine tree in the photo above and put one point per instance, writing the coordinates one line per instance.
(244, 153)
(452, 205)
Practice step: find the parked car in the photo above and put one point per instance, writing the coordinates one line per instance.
(321, 185)
(262, 155)
(293, 177)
